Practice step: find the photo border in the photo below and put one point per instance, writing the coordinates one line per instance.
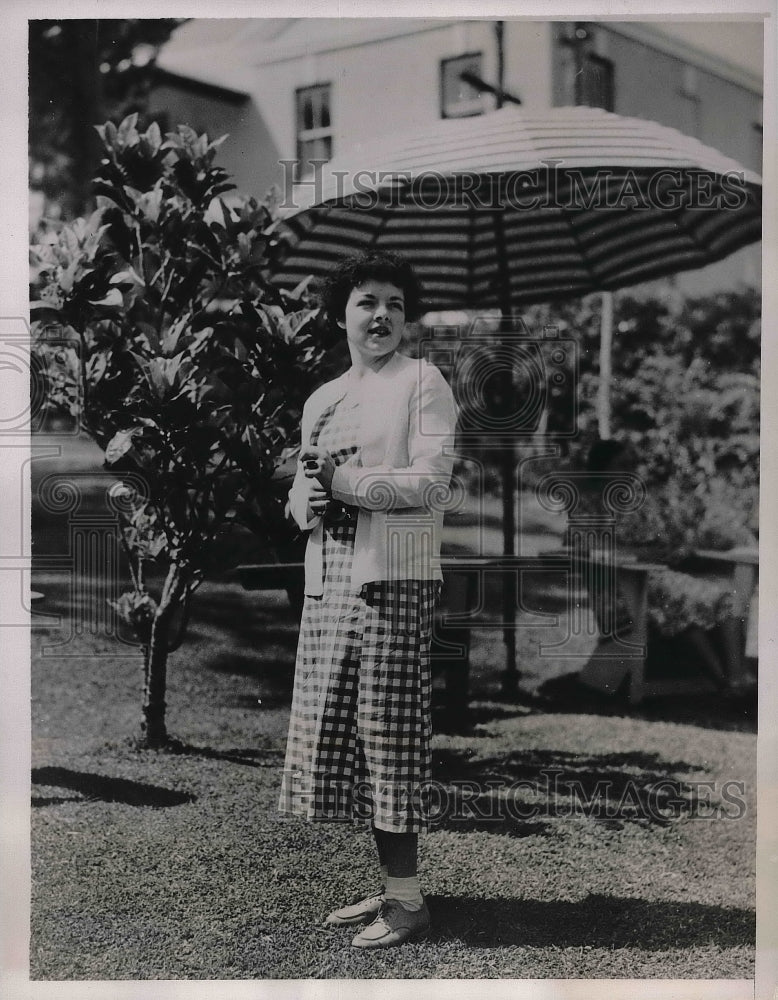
(15, 705)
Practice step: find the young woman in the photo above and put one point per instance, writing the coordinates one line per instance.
(374, 470)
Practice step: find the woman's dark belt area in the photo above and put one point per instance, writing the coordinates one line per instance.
(340, 513)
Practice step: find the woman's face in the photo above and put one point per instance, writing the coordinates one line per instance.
(374, 320)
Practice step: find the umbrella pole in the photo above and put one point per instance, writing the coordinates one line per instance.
(606, 351)
(510, 682)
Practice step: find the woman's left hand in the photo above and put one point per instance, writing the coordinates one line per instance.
(318, 464)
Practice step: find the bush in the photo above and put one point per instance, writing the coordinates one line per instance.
(185, 365)
(685, 395)
(685, 398)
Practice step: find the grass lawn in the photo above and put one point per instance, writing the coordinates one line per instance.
(175, 865)
(158, 865)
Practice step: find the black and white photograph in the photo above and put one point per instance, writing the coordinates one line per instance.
(385, 432)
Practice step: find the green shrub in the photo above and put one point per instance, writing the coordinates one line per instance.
(186, 366)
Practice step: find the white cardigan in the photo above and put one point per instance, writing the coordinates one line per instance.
(401, 479)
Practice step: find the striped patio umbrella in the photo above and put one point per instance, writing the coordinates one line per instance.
(514, 207)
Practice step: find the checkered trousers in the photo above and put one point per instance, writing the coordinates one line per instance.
(360, 728)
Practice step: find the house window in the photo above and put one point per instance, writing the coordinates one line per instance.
(314, 127)
(458, 97)
(595, 82)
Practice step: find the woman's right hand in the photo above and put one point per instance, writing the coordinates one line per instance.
(317, 464)
(318, 500)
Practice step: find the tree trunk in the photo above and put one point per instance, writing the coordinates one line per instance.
(86, 147)
(153, 728)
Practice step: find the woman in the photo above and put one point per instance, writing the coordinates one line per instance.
(375, 466)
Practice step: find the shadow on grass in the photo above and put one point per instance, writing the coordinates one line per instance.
(106, 789)
(215, 605)
(597, 921)
(53, 800)
(505, 825)
(275, 678)
(727, 711)
(249, 756)
(473, 719)
(250, 664)
(501, 792)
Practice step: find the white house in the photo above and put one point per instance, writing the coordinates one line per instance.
(289, 91)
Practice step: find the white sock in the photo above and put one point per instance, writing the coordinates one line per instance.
(405, 891)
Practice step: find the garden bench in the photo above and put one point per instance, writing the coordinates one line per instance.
(613, 663)
(617, 661)
(741, 566)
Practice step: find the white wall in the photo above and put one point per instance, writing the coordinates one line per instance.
(379, 87)
(249, 154)
(528, 62)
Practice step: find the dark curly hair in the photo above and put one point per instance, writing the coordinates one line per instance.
(373, 265)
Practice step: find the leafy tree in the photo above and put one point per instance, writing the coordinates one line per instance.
(190, 369)
(82, 72)
(685, 396)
